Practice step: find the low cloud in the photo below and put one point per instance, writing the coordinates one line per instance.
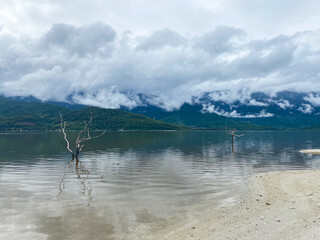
(284, 104)
(114, 98)
(314, 99)
(306, 108)
(231, 96)
(207, 108)
(254, 102)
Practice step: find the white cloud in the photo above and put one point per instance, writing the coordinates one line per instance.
(306, 108)
(314, 99)
(253, 102)
(284, 104)
(231, 96)
(233, 114)
(113, 99)
(94, 64)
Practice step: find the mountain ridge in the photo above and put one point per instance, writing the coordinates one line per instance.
(242, 110)
(19, 115)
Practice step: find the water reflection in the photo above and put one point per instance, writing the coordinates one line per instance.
(82, 175)
(131, 184)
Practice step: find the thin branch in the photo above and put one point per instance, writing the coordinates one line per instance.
(239, 135)
(63, 126)
(85, 128)
(81, 147)
(89, 138)
(233, 133)
(82, 131)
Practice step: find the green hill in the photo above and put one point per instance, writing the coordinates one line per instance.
(18, 115)
(114, 119)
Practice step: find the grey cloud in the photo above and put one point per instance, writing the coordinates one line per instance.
(6, 40)
(160, 39)
(265, 56)
(82, 40)
(221, 39)
(265, 44)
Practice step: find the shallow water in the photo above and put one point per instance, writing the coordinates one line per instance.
(132, 185)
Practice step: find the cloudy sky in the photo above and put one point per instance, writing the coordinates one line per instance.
(104, 52)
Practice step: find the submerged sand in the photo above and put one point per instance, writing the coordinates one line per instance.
(279, 205)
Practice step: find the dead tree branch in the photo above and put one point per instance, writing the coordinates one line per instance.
(233, 136)
(63, 127)
(83, 136)
(233, 133)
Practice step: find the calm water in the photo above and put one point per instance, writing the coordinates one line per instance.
(131, 185)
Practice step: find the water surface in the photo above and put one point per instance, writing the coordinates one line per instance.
(132, 185)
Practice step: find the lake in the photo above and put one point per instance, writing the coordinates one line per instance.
(132, 185)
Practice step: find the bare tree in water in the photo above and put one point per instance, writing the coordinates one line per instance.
(233, 136)
(83, 136)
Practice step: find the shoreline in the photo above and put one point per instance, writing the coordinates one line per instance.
(278, 205)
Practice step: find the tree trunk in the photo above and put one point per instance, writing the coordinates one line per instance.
(77, 152)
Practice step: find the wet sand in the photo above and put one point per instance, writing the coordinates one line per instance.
(279, 205)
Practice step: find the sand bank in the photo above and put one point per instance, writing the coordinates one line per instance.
(279, 205)
(311, 151)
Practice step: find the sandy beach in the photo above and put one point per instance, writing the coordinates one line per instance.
(311, 151)
(279, 205)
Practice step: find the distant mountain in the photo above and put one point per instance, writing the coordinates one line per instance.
(115, 119)
(284, 110)
(193, 116)
(34, 115)
(214, 110)
(257, 110)
(69, 105)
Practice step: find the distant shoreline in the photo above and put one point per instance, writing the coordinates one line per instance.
(154, 130)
